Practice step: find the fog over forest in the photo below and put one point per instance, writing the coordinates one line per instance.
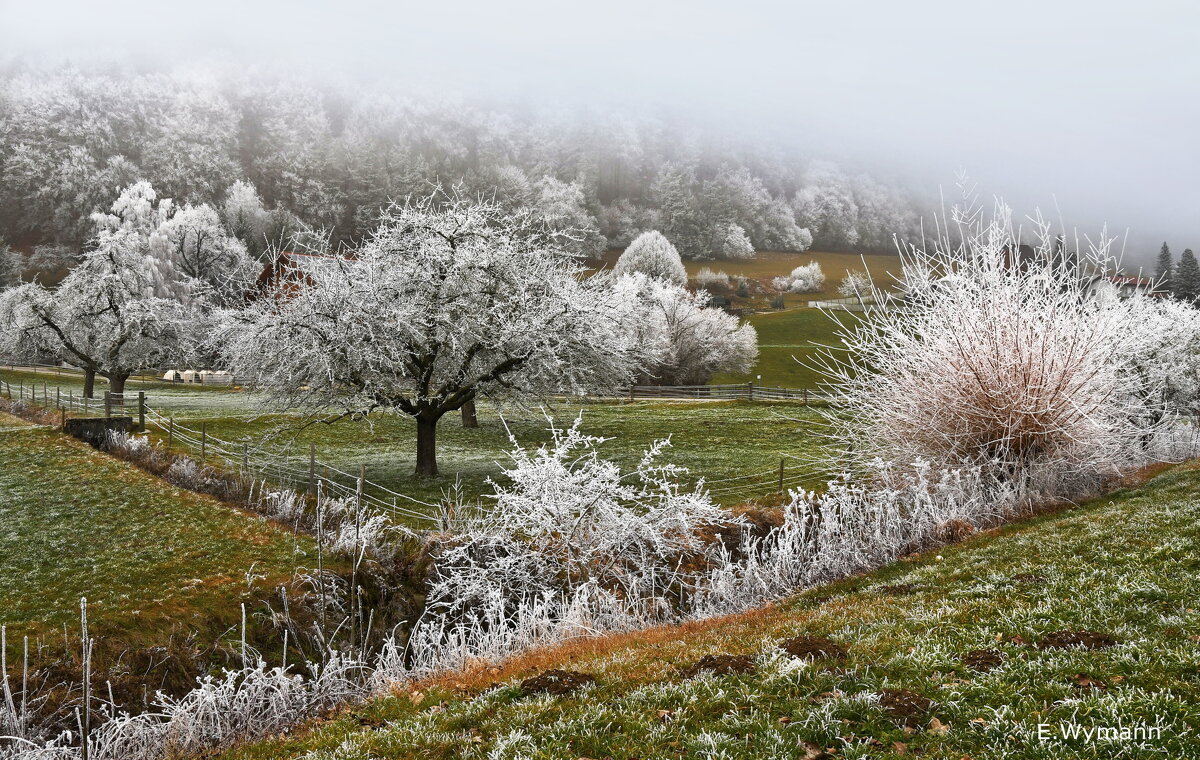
(1086, 111)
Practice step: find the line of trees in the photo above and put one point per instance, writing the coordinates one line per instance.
(1181, 280)
(449, 299)
(286, 154)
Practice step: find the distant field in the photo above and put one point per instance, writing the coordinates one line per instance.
(790, 342)
(770, 264)
(77, 523)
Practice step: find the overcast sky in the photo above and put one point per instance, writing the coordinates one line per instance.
(1094, 105)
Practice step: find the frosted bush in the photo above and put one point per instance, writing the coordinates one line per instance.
(707, 278)
(856, 283)
(572, 521)
(996, 365)
(806, 278)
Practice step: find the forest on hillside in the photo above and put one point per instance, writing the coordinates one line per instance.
(275, 155)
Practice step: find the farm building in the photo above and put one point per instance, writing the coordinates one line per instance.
(1122, 286)
(286, 272)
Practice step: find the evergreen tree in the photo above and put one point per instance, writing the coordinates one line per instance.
(1164, 270)
(1187, 278)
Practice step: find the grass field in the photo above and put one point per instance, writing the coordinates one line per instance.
(715, 440)
(790, 343)
(77, 523)
(1125, 566)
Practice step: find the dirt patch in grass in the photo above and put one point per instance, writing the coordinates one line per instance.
(556, 682)
(983, 660)
(1069, 639)
(906, 705)
(721, 665)
(813, 647)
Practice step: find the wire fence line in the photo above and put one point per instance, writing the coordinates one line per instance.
(309, 473)
(725, 392)
(301, 473)
(712, 391)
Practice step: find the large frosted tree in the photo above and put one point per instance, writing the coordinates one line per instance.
(686, 342)
(103, 317)
(448, 300)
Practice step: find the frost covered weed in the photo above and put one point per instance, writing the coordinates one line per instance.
(574, 548)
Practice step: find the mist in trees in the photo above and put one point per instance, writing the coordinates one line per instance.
(270, 156)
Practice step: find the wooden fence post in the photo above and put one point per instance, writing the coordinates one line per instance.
(58, 397)
(806, 396)
(170, 432)
(355, 600)
(142, 411)
(312, 469)
(750, 390)
(203, 442)
(107, 404)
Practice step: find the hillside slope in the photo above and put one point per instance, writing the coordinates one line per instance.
(147, 555)
(966, 654)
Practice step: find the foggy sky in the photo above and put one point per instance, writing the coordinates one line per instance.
(1090, 105)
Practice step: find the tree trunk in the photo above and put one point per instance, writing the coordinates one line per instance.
(89, 383)
(116, 386)
(426, 446)
(468, 415)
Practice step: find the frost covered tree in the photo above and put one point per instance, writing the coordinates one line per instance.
(1187, 278)
(734, 243)
(218, 264)
(187, 251)
(855, 284)
(1164, 268)
(652, 254)
(448, 300)
(686, 341)
(135, 224)
(104, 317)
(991, 366)
(10, 265)
(825, 204)
(562, 207)
(245, 217)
